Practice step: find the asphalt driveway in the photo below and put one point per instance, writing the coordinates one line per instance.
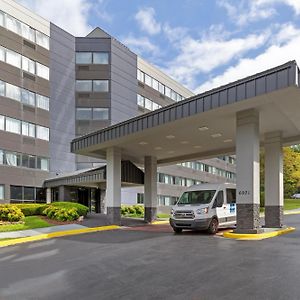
(153, 264)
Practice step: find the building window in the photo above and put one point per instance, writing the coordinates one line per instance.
(83, 113)
(1, 157)
(2, 54)
(43, 164)
(148, 104)
(13, 125)
(13, 58)
(13, 24)
(16, 192)
(140, 75)
(42, 133)
(155, 84)
(148, 80)
(1, 189)
(100, 86)
(83, 57)
(100, 114)
(100, 58)
(42, 71)
(28, 33)
(140, 198)
(28, 129)
(28, 65)
(1, 18)
(42, 102)
(42, 40)
(12, 159)
(140, 100)
(29, 193)
(13, 92)
(28, 97)
(83, 85)
(2, 120)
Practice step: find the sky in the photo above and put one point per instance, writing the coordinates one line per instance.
(201, 43)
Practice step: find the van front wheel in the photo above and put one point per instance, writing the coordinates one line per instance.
(177, 230)
(213, 226)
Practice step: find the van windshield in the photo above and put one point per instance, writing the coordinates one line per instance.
(196, 197)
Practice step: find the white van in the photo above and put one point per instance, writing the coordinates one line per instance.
(205, 207)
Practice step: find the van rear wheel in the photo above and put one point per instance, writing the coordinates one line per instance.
(213, 226)
(177, 230)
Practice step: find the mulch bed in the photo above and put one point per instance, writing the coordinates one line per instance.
(55, 222)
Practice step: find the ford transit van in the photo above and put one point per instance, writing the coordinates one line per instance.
(205, 207)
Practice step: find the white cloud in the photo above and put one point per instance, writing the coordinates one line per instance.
(212, 51)
(146, 19)
(283, 50)
(71, 15)
(140, 45)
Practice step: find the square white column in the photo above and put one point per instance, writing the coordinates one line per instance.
(273, 180)
(150, 184)
(48, 195)
(113, 185)
(247, 156)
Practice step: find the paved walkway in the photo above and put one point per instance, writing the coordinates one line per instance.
(37, 231)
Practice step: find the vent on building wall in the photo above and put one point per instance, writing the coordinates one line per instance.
(28, 141)
(28, 44)
(83, 68)
(83, 95)
(28, 76)
(28, 108)
(141, 84)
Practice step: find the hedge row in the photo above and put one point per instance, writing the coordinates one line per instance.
(61, 211)
(129, 210)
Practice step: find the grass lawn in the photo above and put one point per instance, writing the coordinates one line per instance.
(30, 223)
(163, 216)
(288, 204)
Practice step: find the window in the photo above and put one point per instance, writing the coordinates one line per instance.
(100, 58)
(168, 92)
(12, 159)
(83, 57)
(28, 33)
(1, 157)
(155, 106)
(1, 18)
(2, 120)
(43, 163)
(140, 100)
(31, 161)
(13, 58)
(16, 192)
(2, 54)
(13, 125)
(173, 95)
(2, 88)
(42, 102)
(100, 113)
(231, 196)
(25, 160)
(83, 114)
(28, 129)
(42, 133)
(83, 85)
(100, 86)
(148, 104)
(155, 84)
(28, 65)
(29, 193)
(161, 88)
(13, 92)
(148, 80)
(1, 185)
(28, 97)
(42, 71)
(42, 40)
(140, 75)
(13, 24)
(197, 197)
(219, 201)
(140, 198)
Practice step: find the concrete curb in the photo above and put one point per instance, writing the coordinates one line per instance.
(51, 235)
(259, 236)
(291, 212)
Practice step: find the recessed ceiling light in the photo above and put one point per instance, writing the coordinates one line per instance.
(203, 128)
(143, 143)
(171, 152)
(197, 147)
(216, 135)
(228, 141)
(170, 137)
(157, 148)
(184, 142)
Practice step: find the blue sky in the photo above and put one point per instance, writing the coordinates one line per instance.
(201, 43)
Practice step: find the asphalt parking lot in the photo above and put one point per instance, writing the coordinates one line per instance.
(153, 264)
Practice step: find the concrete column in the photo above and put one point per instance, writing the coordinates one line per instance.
(48, 195)
(113, 185)
(150, 184)
(61, 193)
(273, 180)
(247, 154)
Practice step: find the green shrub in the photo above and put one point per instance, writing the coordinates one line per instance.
(262, 199)
(61, 214)
(136, 210)
(31, 209)
(82, 210)
(139, 209)
(10, 213)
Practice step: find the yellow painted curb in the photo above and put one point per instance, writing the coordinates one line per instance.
(159, 222)
(258, 236)
(55, 235)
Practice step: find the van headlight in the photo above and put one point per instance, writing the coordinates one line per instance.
(172, 212)
(202, 211)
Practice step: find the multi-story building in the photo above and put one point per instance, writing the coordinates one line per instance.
(54, 87)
